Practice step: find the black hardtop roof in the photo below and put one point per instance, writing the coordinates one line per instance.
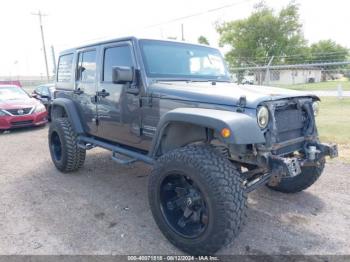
(128, 38)
(99, 43)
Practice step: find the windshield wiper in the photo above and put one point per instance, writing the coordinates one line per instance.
(191, 80)
(173, 79)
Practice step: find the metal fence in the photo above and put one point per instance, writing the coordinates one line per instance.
(294, 75)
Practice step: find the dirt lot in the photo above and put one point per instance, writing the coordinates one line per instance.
(103, 209)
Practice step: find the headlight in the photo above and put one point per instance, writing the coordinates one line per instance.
(40, 108)
(315, 108)
(263, 117)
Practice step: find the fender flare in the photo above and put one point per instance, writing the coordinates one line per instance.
(244, 128)
(72, 113)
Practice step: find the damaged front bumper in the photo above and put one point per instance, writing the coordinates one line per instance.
(278, 167)
(291, 166)
(281, 167)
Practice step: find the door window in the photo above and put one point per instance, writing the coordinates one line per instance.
(86, 71)
(115, 56)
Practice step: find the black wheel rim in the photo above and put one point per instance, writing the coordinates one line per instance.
(183, 206)
(56, 146)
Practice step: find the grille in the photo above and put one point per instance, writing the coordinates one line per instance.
(20, 123)
(290, 123)
(18, 112)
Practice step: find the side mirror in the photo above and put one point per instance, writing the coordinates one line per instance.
(122, 74)
(34, 95)
(80, 71)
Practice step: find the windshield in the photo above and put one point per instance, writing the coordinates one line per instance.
(12, 93)
(182, 61)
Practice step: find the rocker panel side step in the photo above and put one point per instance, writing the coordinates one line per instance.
(90, 142)
(118, 158)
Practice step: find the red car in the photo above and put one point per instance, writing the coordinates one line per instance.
(19, 109)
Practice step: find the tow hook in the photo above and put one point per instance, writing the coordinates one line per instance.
(311, 152)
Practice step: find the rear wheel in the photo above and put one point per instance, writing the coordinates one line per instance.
(65, 152)
(307, 177)
(197, 199)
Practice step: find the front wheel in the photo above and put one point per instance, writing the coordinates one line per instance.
(307, 177)
(63, 143)
(197, 199)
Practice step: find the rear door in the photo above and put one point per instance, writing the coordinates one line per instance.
(85, 87)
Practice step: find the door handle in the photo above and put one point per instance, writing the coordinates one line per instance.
(78, 91)
(102, 93)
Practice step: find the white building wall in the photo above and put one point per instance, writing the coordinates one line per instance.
(293, 77)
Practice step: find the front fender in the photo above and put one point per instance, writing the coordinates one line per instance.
(244, 128)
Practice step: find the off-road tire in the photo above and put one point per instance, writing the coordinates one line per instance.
(72, 157)
(221, 186)
(307, 177)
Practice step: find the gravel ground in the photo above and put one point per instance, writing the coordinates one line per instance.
(103, 208)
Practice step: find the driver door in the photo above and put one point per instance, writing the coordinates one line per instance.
(118, 111)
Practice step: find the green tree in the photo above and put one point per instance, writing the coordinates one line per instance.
(328, 51)
(264, 34)
(203, 40)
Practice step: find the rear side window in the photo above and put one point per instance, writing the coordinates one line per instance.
(115, 56)
(64, 72)
(87, 66)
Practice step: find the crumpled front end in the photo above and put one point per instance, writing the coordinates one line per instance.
(292, 137)
(291, 143)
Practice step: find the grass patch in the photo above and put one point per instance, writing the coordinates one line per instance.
(333, 124)
(328, 85)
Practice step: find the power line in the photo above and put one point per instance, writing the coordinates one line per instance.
(198, 14)
(180, 18)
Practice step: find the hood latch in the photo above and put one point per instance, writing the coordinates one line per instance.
(242, 102)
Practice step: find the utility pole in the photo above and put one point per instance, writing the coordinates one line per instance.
(53, 59)
(182, 32)
(267, 75)
(40, 15)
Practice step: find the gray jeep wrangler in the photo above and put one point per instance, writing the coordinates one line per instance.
(172, 105)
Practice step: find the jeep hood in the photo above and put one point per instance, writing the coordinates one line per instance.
(221, 93)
